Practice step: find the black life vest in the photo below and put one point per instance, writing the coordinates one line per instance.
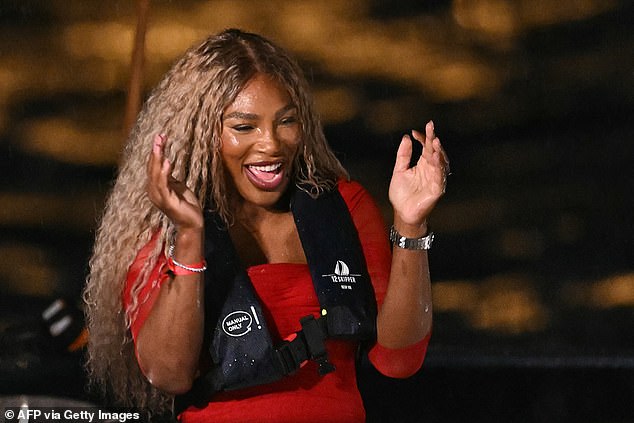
(241, 348)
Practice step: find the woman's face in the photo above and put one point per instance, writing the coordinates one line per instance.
(260, 138)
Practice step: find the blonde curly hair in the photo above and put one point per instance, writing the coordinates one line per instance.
(186, 107)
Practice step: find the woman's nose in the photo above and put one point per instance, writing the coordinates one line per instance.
(268, 140)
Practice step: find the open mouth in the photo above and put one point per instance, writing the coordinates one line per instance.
(265, 176)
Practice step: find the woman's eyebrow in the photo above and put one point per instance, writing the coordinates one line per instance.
(253, 116)
(284, 110)
(240, 115)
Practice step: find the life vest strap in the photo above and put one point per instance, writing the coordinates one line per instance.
(308, 344)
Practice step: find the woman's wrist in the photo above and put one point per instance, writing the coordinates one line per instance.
(410, 230)
(188, 245)
(181, 269)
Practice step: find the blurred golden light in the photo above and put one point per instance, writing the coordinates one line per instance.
(337, 104)
(459, 80)
(104, 40)
(503, 19)
(26, 78)
(506, 304)
(66, 141)
(167, 41)
(616, 291)
(410, 61)
(7, 80)
(611, 292)
(27, 270)
(74, 213)
(455, 296)
(339, 36)
(14, 76)
(509, 304)
(406, 51)
(495, 17)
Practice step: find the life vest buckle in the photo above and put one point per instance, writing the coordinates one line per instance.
(291, 354)
(314, 332)
(308, 344)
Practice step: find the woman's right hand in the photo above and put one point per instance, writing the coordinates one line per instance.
(169, 342)
(171, 196)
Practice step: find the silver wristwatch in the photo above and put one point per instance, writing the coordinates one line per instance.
(422, 243)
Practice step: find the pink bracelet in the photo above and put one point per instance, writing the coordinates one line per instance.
(180, 269)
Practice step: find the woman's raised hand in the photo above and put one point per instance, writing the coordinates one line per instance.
(415, 190)
(171, 196)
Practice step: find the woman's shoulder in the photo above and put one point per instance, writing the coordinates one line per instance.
(353, 193)
(349, 188)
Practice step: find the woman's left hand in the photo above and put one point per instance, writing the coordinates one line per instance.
(414, 191)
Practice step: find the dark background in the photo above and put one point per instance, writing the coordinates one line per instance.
(533, 100)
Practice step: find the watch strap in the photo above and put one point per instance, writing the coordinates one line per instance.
(421, 243)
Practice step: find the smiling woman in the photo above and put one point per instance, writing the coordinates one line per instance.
(218, 244)
(260, 138)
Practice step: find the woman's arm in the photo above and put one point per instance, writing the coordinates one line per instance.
(406, 314)
(169, 342)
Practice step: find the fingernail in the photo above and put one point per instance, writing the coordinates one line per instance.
(158, 142)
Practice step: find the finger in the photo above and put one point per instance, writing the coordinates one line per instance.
(154, 164)
(428, 147)
(430, 136)
(419, 136)
(164, 177)
(403, 154)
(161, 170)
(444, 159)
(430, 132)
(155, 154)
(442, 165)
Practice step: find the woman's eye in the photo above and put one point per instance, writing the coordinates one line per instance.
(242, 128)
(289, 120)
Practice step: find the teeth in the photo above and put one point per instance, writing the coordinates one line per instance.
(267, 168)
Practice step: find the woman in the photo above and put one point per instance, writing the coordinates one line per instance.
(229, 146)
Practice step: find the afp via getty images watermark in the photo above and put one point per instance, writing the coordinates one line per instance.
(69, 414)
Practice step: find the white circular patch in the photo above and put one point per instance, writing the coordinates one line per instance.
(237, 323)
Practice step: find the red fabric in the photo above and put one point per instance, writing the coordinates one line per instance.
(148, 292)
(287, 294)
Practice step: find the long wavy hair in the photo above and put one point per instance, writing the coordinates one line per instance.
(187, 107)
